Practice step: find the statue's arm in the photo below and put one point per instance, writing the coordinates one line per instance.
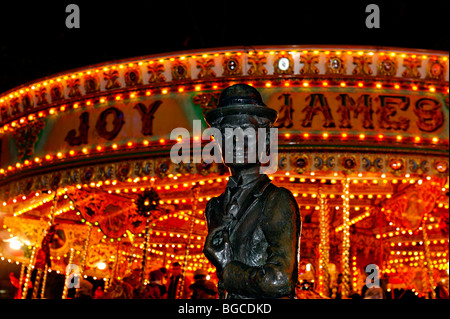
(280, 224)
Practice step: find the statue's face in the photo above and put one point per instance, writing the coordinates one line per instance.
(244, 146)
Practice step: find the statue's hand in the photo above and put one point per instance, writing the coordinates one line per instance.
(217, 247)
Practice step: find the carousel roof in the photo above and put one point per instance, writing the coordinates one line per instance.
(84, 145)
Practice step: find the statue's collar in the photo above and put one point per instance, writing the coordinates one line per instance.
(244, 180)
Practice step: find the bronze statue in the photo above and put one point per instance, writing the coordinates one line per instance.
(254, 226)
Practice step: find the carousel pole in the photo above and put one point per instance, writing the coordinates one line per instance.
(195, 191)
(85, 250)
(21, 277)
(28, 275)
(324, 247)
(68, 272)
(44, 281)
(39, 271)
(146, 210)
(428, 259)
(346, 240)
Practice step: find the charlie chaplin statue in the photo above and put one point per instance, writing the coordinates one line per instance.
(254, 226)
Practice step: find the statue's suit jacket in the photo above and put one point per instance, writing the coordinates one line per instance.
(264, 240)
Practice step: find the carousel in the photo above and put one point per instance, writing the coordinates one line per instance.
(87, 184)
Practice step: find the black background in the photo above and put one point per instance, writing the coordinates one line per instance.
(34, 41)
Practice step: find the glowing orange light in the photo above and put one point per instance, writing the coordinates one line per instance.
(343, 84)
(399, 137)
(397, 86)
(162, 141)
(325, 83)
(114, 146)
(325, 135)
(362, 136)
(432, 89)
(417, 139)
(305, 84)
(286, 83)
(379, 86)
(435, 139)
(360, 84)
(181, 89)
(305, 135)
(287, 135)
(380, 136)
(148, 93)
(198, 87)
(344, 135)
(268, 84)
(99, 148)
(130, 144)
(415, 88)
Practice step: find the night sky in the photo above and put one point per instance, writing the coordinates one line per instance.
(34, 41)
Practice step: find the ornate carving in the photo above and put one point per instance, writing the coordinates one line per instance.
(205, 65)
(283, 63)
(300, 162)
(14, 106)
(26, 137)
(41, 95)
(74, 87)
(91, 83)
(435, 70)
(57, 92)
(232, 65)
(112, 79)
(348, 163)
(207, 101)
(335, 65)
(411, 64)
(27, 102)
(163, 167)
(372, 163)
(256, 62)
(181, 70)
(156, 70)
(309, 60)
(387, 66)
(362, 63)
(133, 76)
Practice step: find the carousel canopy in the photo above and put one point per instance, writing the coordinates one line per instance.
(81, 147)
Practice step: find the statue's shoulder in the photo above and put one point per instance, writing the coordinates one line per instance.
(213, 203)
(280, 197)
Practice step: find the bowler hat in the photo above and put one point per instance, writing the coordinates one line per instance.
(241, 99)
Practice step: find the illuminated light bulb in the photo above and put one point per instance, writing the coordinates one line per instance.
(415, 88)
(360, 84)
(268, 84)
(114, 146)
(198, 87)
(362, 136)
(432, 89)
(162, 141)
(343, 84)
(325, 135)
(324, 83)
(396, 86)
(118, 97)
(379, 86)
(435, 139)
(417, 139)
(305, 135)
(164, 91)
(286, 83)
(305, 84)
